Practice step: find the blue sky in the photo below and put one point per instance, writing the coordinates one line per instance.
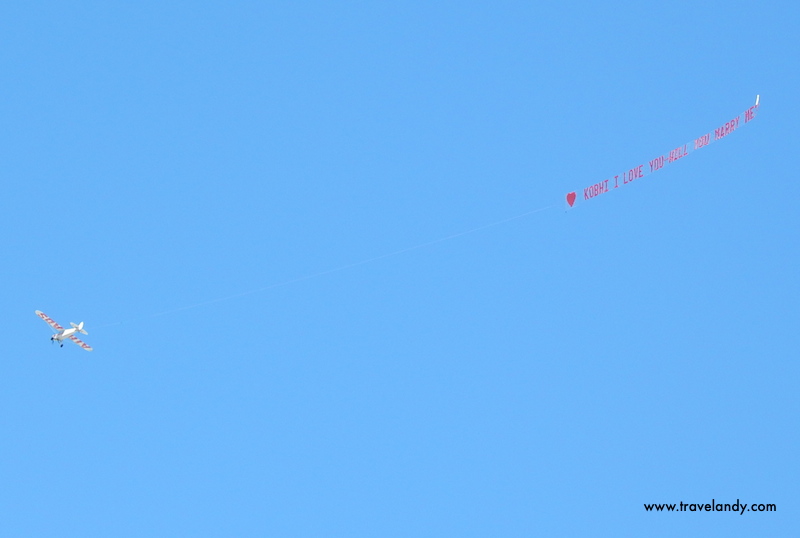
(545, 376)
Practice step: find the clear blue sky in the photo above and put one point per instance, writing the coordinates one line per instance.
(542, 377)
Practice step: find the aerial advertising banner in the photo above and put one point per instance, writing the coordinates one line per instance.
(598, 188)
(653, 165)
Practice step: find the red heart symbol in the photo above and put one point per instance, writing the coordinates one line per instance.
(571, 198)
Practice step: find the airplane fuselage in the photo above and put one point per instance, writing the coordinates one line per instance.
(63, 335)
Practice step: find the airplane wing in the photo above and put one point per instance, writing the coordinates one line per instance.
(49, 321)
(81, 343)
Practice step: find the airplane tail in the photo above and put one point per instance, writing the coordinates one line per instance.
(79, 326)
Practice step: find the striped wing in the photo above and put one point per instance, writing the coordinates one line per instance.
(81, 343)
(49, 321)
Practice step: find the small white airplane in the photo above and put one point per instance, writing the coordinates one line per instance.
(64, 334)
